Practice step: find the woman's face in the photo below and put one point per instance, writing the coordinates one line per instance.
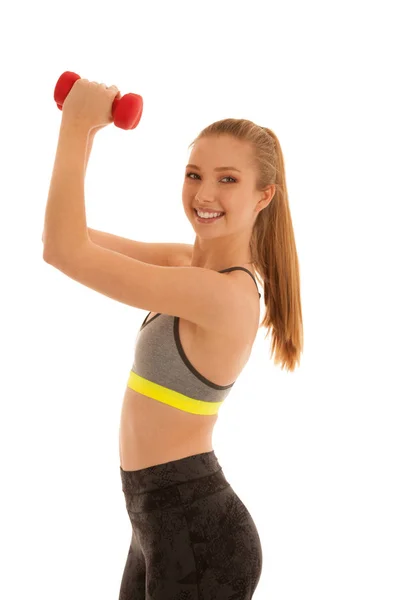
(223, 180)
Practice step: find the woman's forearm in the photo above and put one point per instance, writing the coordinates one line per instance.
(89, 148)
(65, 226)
(87, 156)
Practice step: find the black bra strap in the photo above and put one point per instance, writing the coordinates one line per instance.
(241, 269)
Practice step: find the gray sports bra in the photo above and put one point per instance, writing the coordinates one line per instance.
(162, 371)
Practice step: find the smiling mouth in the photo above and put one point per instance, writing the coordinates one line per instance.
(207, 219)
(221, 213)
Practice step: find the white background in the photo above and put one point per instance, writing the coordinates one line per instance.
(313, 454)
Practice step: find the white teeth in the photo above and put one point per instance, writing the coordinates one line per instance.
(208, 215)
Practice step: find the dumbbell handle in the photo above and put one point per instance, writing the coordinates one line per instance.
(126, 111)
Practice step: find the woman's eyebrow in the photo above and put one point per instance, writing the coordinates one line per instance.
(216, 169)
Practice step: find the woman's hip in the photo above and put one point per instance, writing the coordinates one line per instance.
(189, 503)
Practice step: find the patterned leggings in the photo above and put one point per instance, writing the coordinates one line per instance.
(192, 536)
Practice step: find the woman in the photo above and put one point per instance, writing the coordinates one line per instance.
(192, 536)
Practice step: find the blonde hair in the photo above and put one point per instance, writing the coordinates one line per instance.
(272, 243)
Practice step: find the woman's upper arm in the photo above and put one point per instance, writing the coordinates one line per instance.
(168, 254)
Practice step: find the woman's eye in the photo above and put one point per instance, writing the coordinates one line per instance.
(227, 177)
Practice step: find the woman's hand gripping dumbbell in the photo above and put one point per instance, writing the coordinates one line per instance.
(91, 100)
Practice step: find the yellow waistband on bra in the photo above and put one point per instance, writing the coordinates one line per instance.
(163, 394)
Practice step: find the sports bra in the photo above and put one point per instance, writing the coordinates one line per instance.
(162, 371)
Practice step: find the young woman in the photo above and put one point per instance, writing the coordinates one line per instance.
(192, 536)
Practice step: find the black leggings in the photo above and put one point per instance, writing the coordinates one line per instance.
(192, 536)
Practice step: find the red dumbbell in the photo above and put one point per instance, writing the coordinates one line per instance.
(126, 111)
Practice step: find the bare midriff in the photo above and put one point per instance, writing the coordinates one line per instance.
(152, 432)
